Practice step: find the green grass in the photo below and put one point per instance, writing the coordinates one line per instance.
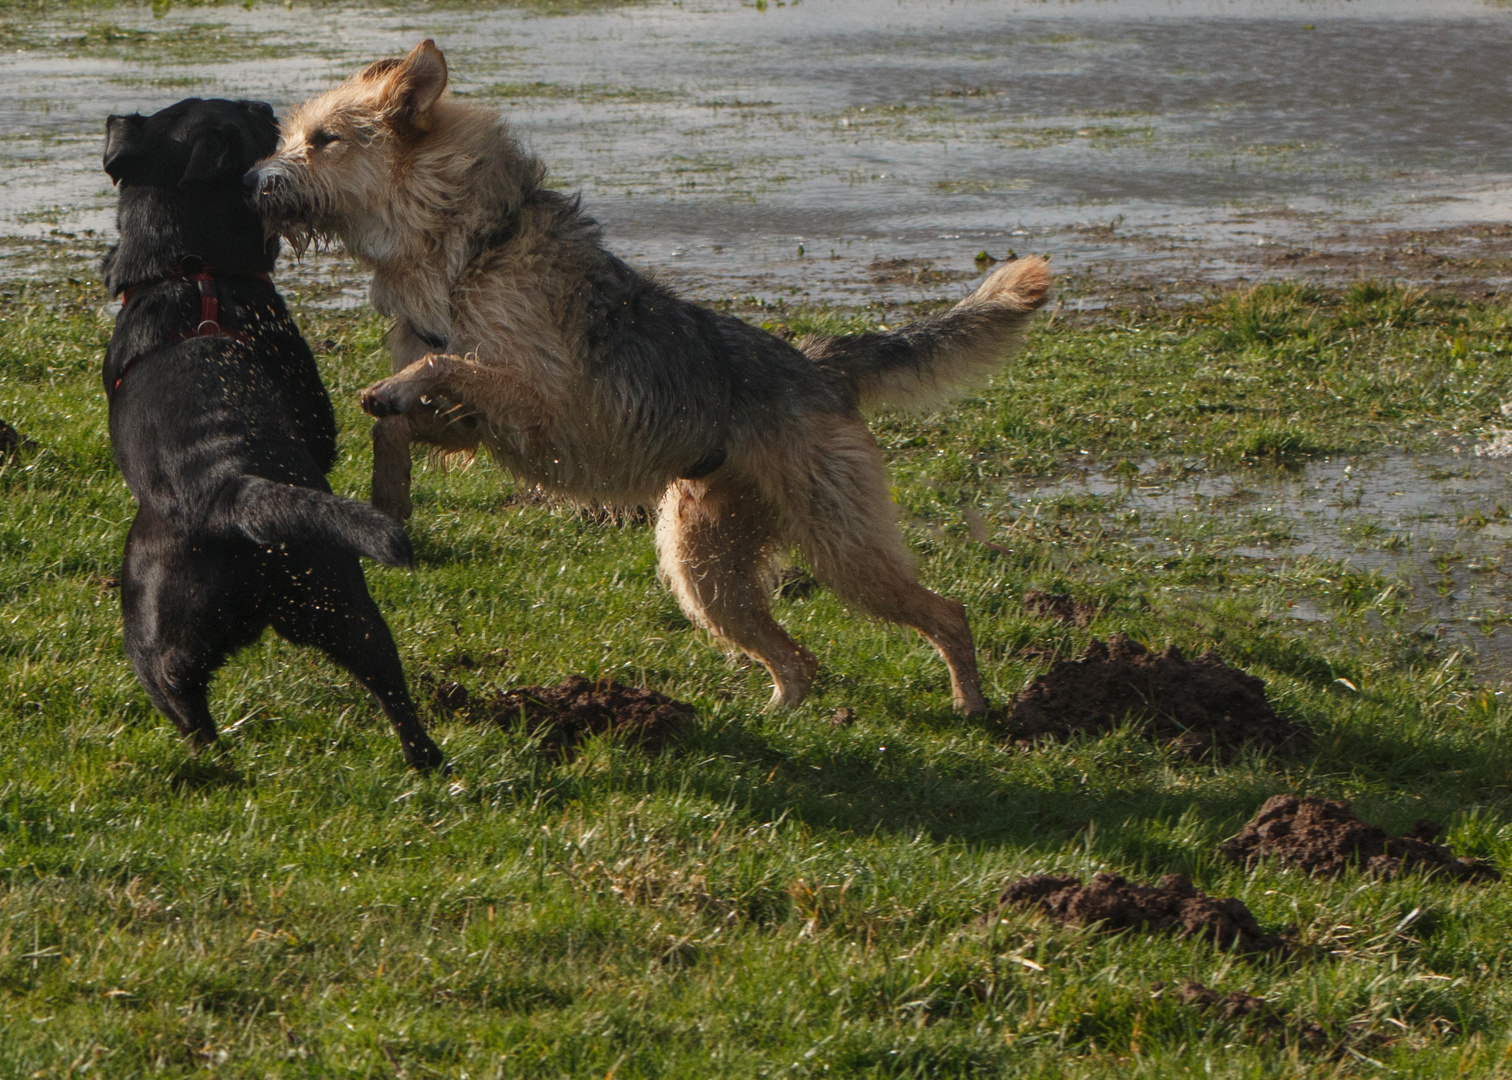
(772, 895)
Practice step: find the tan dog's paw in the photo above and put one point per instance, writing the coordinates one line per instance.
(389, 397)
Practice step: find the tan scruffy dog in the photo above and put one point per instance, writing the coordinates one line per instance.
(515, 329)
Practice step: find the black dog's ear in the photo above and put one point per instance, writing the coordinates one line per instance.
(125, 147)
(214, 154)
(262, 129)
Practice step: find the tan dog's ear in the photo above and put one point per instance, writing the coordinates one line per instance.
(418, 83)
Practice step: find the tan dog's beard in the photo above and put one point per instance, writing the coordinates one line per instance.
(301, 237)
(291, 209)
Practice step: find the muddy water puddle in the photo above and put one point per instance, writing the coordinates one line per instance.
(850, 150)
(1436, 527)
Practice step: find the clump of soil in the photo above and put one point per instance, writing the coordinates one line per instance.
(1324, 838)
(795, 584)
(562, 716)
(447, 695)
(1202, 706)
(1061, 607)
(1115, 903)
(12, 441)
(912, 272)
(1246, 1008)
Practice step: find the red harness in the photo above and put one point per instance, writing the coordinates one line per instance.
(209, 324)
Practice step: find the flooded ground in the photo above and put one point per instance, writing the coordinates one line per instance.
(1437, 528)
(850, 150)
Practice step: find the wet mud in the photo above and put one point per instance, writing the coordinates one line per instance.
(1113, 903)
(1325, 838)
(1200, 707)
(564, 715)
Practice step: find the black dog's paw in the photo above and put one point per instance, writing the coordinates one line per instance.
(421, 753)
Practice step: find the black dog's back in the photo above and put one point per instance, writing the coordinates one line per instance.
(224, 432)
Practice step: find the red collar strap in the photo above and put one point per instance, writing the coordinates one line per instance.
(191, 269)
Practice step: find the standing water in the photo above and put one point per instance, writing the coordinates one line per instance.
(853, 150)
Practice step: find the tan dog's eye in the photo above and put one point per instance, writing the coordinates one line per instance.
(322, 138)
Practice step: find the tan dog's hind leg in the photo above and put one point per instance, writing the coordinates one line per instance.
(848, 530)
(392, 436)
(715, 542)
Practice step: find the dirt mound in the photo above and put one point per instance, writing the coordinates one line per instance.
(1061, 607)
(12, 441)
(1202, 706)
(1325, 838)
(1115, 903)
(564, 715)
(1254, 1012)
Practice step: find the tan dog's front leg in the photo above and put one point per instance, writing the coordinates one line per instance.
(392, 436)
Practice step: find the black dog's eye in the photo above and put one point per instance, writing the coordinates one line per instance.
(322, 138)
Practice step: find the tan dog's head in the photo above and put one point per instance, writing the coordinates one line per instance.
(345, 152)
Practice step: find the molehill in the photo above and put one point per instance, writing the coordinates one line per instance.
(1113, 903)
(1201, 707)
(1325, 838)
(562, 716)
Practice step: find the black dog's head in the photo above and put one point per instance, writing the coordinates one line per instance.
(195, 141)
(180, 175)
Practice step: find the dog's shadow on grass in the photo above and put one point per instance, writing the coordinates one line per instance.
(209, 770)
(858, 790)
(1131, 818)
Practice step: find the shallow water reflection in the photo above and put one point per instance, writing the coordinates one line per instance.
(1436, 526)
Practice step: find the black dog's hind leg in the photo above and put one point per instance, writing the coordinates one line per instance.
(325, 603)
(184, 611)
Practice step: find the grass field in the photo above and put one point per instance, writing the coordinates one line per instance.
(771, 895)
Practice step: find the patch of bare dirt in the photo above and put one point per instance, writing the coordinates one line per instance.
(12, 441)
(1254, 1012)
(1060, 607)
(1114, 903)
(1325, 838)
(1468, 260)
(795, 583)
(564, 715)
(1203, 706)
(912, 272)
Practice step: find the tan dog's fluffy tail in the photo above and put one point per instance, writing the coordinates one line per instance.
(925, 362)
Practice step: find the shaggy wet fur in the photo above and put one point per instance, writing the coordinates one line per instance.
(225, 438)
(516, 329)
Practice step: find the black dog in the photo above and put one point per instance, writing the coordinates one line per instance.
(224, 432)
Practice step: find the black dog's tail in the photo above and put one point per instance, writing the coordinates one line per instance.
(268, 512)
(924, 362)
